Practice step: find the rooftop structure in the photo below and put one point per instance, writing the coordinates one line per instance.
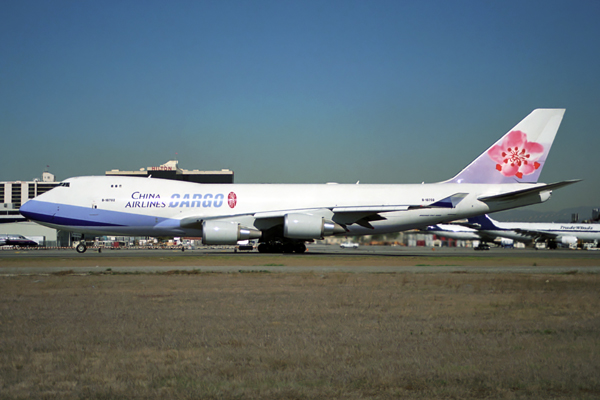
(171, 170)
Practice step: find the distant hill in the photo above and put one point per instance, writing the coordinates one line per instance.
(520, 215)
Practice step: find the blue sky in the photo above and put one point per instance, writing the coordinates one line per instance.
(296, 91)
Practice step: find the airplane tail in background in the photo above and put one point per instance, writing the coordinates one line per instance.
(519, 156)
(483, 222)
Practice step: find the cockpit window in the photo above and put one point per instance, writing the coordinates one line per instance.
(65, 184)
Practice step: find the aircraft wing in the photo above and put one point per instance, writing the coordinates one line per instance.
(363, 215)
(343, 215)
(335, 210)
(536, 235)
(466, 224)
(487, 237)
(448, 202)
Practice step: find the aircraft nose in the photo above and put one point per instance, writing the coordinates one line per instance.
(30, 210)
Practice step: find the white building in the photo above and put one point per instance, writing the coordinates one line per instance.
(12, 196)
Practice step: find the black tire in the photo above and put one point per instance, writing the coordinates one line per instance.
(300, 248)
(81, 248)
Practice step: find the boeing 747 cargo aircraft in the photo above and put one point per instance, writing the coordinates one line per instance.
(285, 216)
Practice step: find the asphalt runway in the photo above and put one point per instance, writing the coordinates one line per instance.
(318, 258)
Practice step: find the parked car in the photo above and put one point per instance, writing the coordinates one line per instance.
(17, 241)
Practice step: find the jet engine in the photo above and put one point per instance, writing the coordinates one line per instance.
(305, 226)
(569, 240)
(224, 232)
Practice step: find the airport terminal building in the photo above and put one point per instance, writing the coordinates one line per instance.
(14, 193)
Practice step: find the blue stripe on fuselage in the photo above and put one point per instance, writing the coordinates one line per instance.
(67, 215)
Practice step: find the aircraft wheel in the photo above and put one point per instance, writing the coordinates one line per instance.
(300, 248)
(81, 248)
(263, 248)
(288, 248)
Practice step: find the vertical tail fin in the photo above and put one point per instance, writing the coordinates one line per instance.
(518, 156)
(483, 222)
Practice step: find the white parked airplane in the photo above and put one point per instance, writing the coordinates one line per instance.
(284, 216)
(487, 230)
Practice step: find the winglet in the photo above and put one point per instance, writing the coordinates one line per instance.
(518, 156)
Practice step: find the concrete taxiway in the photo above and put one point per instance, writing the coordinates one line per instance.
(319, 258)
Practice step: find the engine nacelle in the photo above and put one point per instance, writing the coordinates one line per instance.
(224, 232)
(305, 226)
(569, 240)
(545, 196)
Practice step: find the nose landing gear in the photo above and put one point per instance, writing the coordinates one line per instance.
(81, 247)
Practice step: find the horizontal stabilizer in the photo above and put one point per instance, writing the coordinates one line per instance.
(527, 192)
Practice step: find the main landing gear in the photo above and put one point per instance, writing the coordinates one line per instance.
(483, 246)
(278, 247)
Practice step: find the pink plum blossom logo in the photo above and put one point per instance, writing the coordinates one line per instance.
(231, 200)
(515, 156)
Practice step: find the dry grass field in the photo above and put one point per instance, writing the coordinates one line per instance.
(300, 336)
